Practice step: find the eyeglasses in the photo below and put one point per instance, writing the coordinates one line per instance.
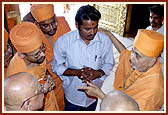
(41, 91)
(37, 54)
(53, 23)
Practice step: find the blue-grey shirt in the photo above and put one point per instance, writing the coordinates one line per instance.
(70, 51)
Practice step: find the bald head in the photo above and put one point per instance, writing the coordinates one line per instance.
(118, 101)
(19, 87)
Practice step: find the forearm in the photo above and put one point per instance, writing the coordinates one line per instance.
(71, 72)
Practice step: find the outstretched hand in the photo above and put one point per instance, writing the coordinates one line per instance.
(92, 90)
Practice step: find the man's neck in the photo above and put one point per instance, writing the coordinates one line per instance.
(50, 39)
(156, 28)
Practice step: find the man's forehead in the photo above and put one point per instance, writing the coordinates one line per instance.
(152, 14)
(137, 51)
(48, 20)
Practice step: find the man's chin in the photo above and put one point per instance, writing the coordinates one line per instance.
(51, 34)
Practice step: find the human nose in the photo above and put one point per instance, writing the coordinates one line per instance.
(132, 56)
(93, 31)
(51, 26)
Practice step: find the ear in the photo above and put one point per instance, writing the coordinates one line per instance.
(27, 106)
(76, 24)
(37, 24)
(162, 20)
(21, 55)
(152, 62)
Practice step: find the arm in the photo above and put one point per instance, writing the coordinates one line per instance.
(119, 46)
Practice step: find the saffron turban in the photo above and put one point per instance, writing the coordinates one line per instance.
(42, 12)
(26, 37)
(149, 42)
(5, 39)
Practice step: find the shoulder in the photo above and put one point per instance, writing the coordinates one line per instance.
(16, 64)
(60, 17)
(104, 38)
(68, 37)
(125, 53)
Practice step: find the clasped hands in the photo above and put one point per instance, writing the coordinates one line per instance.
(88, 74)
(49, 83)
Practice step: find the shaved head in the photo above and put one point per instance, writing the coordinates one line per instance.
(118, 101)
(17, 88)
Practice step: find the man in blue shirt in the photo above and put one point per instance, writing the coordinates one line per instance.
(82, 55)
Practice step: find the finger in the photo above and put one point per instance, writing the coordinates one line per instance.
(82, 87)
(90, 84)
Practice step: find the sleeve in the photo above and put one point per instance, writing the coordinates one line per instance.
(59, 58)
(109, 58)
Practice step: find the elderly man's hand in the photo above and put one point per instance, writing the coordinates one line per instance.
(92, 90)
(49, 83)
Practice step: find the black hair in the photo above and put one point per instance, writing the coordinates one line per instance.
(85, 13)
(157, 9)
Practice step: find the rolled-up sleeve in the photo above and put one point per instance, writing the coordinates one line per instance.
(108, 61)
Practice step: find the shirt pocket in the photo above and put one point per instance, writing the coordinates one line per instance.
(98, 62)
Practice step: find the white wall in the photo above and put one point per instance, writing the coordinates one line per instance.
(59, 11)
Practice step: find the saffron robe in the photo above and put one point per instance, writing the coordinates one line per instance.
(18, 65)
(147, 88)
(62, 28)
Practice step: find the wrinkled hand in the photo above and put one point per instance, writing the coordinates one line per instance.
(49, 83)
(92, 90)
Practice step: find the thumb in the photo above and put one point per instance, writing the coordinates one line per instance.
(90, 84)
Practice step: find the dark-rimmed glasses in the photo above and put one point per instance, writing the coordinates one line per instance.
(37, 54)
(41, 91)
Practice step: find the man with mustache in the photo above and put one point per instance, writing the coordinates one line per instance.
(139, 71)
(30, 58)
(156, 18)
(80, 55)
(52, 27)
